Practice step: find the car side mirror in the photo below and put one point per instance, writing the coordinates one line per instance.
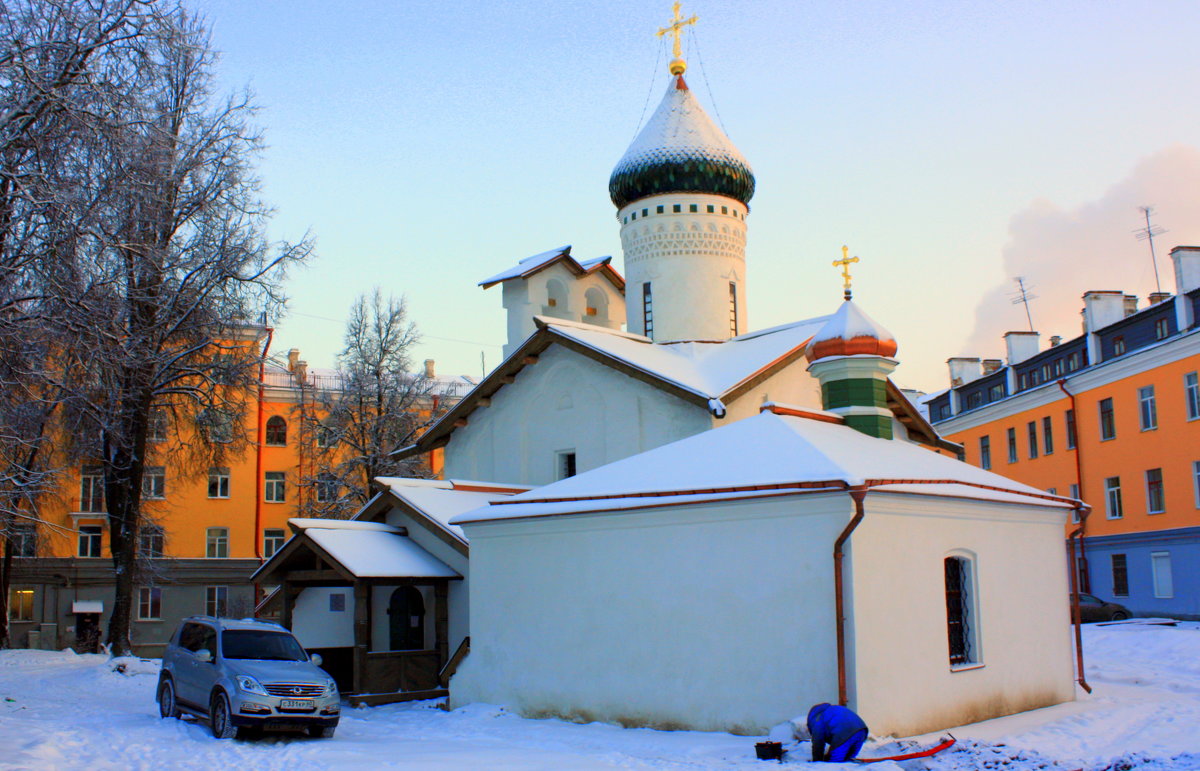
(316, 659)
(204, 655)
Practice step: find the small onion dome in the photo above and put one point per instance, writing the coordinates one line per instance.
(850, 332)
(680, 150)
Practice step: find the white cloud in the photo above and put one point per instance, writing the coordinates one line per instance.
(1066, 252)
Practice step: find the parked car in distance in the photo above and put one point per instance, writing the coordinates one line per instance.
(1092, 608)
(245, 674)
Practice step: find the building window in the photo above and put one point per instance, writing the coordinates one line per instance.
(646, 212)
(217, 425)
(974, 399)
(276, 431)
(23, 537)
(658, 210)
(1154, 491)
(1196, 480)
(677, 208)
(647, 311)
(156, 430)
(149, 603)
(1074, 361)
(216, 600)
(216, 543)
(1161, 329)
(635, 216)
(1047, 435)
(91, 489)
(1112, 498)
(1075, 495)
(151, 542)
(1012, 445)
(711, 209)
(1031, 430)
(327, 488)
(273, 539)
(985, 452)
(733, 327)
(1071, 439)
(960, 612)
(693, 207)
(89, 540)
(325, 437)
(1120, 575)
(1059, 367)
(218, 482)
(154, 483)
(1160, 569)
(274, 487)
(337, 600)
(20, 604)
(1147, 408)
(996, 392)
(1191, 391)
(566, 464)
(1119, 345)
(1108, 425)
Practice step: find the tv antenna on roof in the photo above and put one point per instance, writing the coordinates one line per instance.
(1022, 297)
(1147, 234)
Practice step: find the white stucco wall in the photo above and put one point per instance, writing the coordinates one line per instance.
(315, 626)
(791, 385)
(715, 618)
(564, 402)
(524, 298)
(903, 683)
(458, 594)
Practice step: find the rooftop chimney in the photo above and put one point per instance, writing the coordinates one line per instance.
(293, 357)
(1131, 302)
(301, 370)
(1021, 346)
(1156, 297)
(991, 365)
(1055, 340)
(963, 370)
(430, 370)
(1186, 260)
(1101, 308)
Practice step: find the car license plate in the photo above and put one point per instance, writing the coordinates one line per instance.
(297, 704)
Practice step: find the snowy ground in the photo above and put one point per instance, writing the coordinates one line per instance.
(62, 711)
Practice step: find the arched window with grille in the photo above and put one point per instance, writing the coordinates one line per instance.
(962, 611)
(276, 431)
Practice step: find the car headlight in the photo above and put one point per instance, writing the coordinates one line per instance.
(330, 688)
(250, 685)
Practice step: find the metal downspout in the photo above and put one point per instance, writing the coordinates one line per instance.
(1062, 386)
(858, 494)
(1075, 612)
(258, 463)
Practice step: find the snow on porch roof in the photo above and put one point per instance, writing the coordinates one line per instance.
(762, 453)
(373, 550)
(441, 500)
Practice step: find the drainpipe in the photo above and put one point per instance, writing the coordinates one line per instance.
(1062, 385)
(258, 462)
(1075, 613)
(858, 494)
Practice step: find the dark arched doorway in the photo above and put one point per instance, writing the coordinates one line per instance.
(406, 619)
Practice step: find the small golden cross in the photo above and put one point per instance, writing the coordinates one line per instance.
(845, 264)
(678, 65)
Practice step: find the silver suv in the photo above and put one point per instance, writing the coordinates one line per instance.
(245, 674)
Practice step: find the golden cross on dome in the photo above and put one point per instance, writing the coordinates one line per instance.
(845, 264)
(678, 65)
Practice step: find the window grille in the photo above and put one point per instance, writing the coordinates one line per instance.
(958, 619)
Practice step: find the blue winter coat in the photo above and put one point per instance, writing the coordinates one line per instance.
(831, 725)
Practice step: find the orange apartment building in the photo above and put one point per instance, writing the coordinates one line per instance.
(212, 528)
(1111, 417)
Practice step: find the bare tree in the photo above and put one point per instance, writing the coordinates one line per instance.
(373, 405)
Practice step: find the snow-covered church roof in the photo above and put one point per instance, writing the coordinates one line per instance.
(680, 150)
(538, 262)
(851, 332)
(765, 455)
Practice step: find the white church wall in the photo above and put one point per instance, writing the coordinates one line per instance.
(525, 298)
(458, 594)
(903, 683)
(715, 617)
(316, 626)
(566, 403)
(791, 385)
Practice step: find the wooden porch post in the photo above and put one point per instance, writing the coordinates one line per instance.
(288, 593)
(362, 632)
(441, 621)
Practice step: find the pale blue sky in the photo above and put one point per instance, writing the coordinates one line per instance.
(429, 145)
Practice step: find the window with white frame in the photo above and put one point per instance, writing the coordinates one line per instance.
(216, 543)
(327, 487)
(154, 483)
(1196, 480)
(565, 460)
(149, 603)
(218, 482)
(1147, 408)
(961, 611)
(1012, 445)
(89, 540)
(20, 604)
(985, 452)
(273, 539)
(1191, 392)
(151, 541)
(1160, 570)
(1075, 495)
(326, 437)
(1112, 498)
(1047, 435)
(276, 431)
(1108, 422)
(1155, 502)
(156, 429)
(275, 487)
(23, 537)
(91, 489)
(216, 600)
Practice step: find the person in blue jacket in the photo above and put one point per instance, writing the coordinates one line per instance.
(838, 728)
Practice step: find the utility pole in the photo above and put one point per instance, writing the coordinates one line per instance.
(1147, 234)
(1022, 297)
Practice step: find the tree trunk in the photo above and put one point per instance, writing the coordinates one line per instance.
(5, 579)
(123, 487)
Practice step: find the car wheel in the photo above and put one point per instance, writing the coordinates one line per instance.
(1119, 615)
(222, 725)
(167, 707)
(321, 731)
